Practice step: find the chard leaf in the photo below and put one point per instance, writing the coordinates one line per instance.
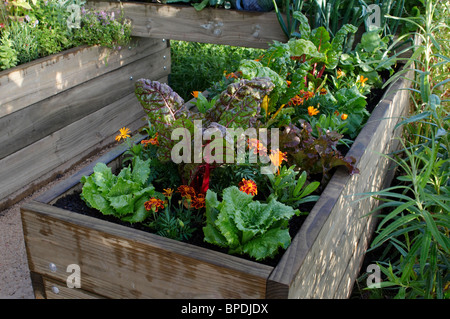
(299, 47)
(239, 105)
(253, 69)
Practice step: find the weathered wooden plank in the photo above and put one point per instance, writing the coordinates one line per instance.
(316, 263)
(210, 25)
(40, 119)
(91, 132)
(32, 82)
(117, 261)
(58, 290)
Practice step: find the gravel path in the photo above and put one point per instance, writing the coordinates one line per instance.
(15, 282)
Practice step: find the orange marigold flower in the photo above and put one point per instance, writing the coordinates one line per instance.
(312, 111)
(153, 140)
(124, 133)
(277, 157)
(195, 93)
(288, 83)
(307, 94)
(248, 186)
(231, 75)
(186, 191)
(323, 91)
(198, 201)
(344, 116)
(154, 204)
(168, 192)
(296, 100)
(340, 73)
(255, 145)
(362, 80)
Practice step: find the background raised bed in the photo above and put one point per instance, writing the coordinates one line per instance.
(57, 110)
(210, 25)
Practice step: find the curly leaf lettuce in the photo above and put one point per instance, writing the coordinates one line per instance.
(123, 195)
(245, 225)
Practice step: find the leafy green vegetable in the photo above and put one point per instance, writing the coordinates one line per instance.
(291, 190)
(247, 226)
(123, 195)
(314, 155)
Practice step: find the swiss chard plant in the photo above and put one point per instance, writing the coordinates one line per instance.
(247, 226)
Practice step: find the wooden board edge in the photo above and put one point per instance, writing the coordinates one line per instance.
(285, 272)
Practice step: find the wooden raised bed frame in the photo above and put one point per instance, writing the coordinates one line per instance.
(119, 262)
(53, 110)
(210, 25)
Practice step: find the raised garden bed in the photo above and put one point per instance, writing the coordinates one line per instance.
(53, 109)
(210, 25)
(121, 262)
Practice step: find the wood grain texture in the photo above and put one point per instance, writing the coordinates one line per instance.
(119, 262)
(325, 255)
(210, 25)
(42, 118)
(35, 81)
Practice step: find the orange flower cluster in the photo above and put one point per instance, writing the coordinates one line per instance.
(277, 157)
(248, 186)
(196, 200)
(257, 147)
(154, 204)
(153, 140)
(301, 98)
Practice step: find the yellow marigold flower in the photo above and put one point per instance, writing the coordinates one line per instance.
(168, 192)
(195, 93)
(344, 116)
(255, 145)
(248, 186)
(362, 80)
(277, 157)
(312, 111)
(340, 73)
(154, 204)
(124, 133)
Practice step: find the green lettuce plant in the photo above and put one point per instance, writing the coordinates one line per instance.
(247, 226)
(121, 195)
